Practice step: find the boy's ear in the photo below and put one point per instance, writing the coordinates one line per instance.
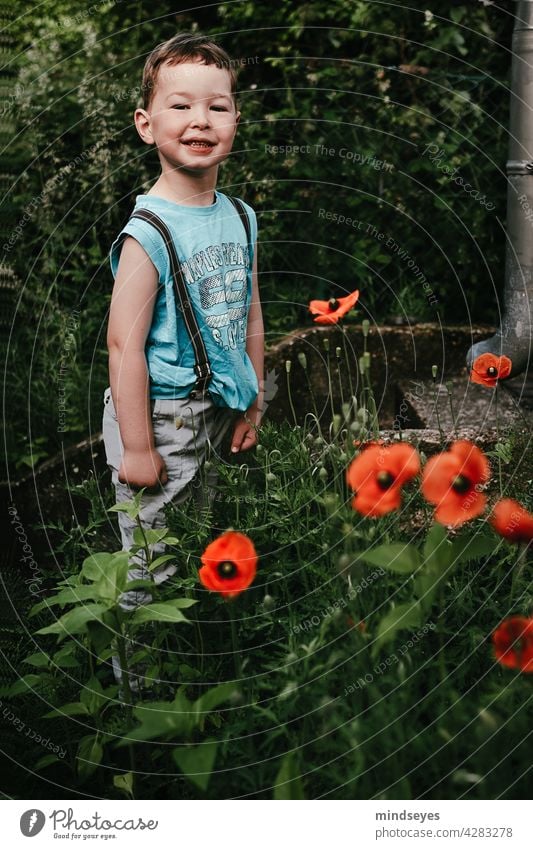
(142, 124)
(237, 119)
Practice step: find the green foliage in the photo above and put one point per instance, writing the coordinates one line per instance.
(354, 95)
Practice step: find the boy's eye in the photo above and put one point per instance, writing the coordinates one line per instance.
(180, 106)
(219, 108)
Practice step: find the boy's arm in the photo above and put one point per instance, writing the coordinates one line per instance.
(245, 431)
(130, 316)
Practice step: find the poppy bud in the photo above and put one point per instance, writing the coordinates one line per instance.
(366, 357)
(362, 415)
(302, 359)
(320, 440)
(331, 502)
(269, 602)
(208, 465)
(362, 365)
(355, 427)
(336, 423)
(338, 353)
(344, 562)
(366, 327)
(325, 342)
(434, 371)
(343, 457)
(271, 478)
(323, 474)
(345, 411)
(260, 449)
(288, 366)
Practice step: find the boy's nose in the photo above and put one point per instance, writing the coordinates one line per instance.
(200, 118)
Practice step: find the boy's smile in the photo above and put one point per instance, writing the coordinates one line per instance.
(192, 118)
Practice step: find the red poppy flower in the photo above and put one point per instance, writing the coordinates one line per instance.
(513, 643)
(329, 312)
(229, 564)
(378, 474)
(512, 521)
(488, 369)
(451, 481)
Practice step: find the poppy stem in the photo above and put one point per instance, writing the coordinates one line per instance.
(337, 354)
(288, 365)
(498, 440)
(436, 401)
(346, 358)
(237, 660)
(452, 411)
(520, 565)
(330, 385)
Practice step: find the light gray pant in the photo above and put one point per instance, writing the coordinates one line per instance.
(186, 430)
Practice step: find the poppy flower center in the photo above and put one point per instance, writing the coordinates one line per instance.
(384, 479)
(333, 304)
(461, 484)
(492, 371)
(227, 569)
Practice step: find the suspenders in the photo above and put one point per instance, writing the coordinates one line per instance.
(202, 367)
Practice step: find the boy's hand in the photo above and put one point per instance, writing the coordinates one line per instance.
(143, 469)
(244, 435)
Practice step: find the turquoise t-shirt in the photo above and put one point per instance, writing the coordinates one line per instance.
(216, 264)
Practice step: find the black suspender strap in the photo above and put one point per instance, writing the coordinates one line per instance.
(239, 206)
(202, 367)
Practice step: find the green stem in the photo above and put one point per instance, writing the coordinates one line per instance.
(436, 400)
(330, 387)
(125, 676)
(237, 660)
(289, 393)
(454, 418)
(520, 564)
(347, 359)
(498, 440)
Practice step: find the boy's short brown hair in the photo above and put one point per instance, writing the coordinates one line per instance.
(184, 47)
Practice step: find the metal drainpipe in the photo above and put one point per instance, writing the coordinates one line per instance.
(514, 337)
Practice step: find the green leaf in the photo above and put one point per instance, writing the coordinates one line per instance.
(93, 696)
(406, 615)
(210, 700)
(113, 581)
(124, 782)
(89, 757)
(162, 611)
(437, 567)
(39, 659)
(150, 536)
(96, 565)
(27, 682)
(132, 508)
(71, 709)
(472, 547)
(437, 549)
(288, 783)
(75, 621)
(196, 762)
(66, 657)
(45, 761)
(161, 720)
(164, 558)
(398, 557)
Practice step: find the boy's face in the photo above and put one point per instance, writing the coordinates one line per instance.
(192, 118)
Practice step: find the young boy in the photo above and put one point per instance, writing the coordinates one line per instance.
(184, 363)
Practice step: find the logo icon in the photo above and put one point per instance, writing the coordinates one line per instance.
(32, 822)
